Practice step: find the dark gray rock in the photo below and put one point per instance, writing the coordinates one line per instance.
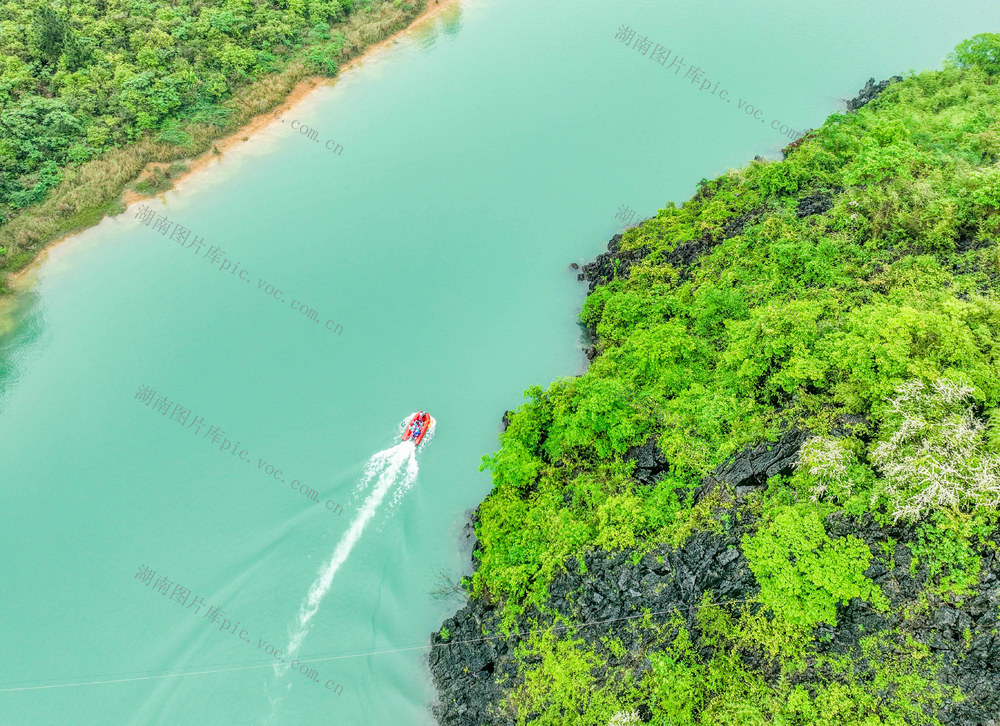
(815, 203)
(505, 420)
(963, 634)
(870, 92)
(469, 666)
(849, 424)
(967, 241)
(615, 264)
(666, 582)
(750, 469)
(684, 256)
(737, 224)
(649, 461)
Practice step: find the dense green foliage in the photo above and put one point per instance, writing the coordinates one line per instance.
(79, 78)
(982, 51)
(890, 684)
(892, 687)
(563, 685)
(793, 320)
(803, 574)
(872, 323)
(100, 97)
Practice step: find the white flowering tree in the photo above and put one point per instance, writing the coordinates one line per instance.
(934, 454)
(826, 460)
(625, 718)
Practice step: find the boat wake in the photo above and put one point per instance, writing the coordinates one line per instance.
(392, 468)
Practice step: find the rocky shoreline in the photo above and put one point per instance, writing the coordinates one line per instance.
(473, 665)
(470, 664)
(665, 581)
(870, 92)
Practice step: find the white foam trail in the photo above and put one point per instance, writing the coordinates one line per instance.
(396, 463)
(405, 483)
(375, 465)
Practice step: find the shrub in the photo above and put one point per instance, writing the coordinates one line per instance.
(934, 454)
(828, 469)
(803, 574)
(826, 459)
(982, 51)
(174, 136)
(153, 183)
(562, 688)
(944, 545)
(323, 59)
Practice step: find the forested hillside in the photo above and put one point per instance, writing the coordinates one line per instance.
(81, 78)
(773, 496)
(84, 80)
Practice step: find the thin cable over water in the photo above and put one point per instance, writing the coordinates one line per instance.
(365, 654)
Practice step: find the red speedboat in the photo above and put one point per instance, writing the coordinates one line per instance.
(418, 427)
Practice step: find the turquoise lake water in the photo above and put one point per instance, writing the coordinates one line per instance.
(480, 156)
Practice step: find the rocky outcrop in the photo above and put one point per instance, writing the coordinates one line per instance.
(468, 666)
(963, 635)
(743, 472)
(505, 420)
(615, 264)
(750, 468)
(870, 92)
(852, 424)
(735, 226)
(469, 658)
(815, 203)
(649, 462)
(474, 666)
(685, 254)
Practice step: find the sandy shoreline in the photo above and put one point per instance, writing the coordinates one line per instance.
(24, 278)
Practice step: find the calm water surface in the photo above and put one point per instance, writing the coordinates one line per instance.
(481, 155)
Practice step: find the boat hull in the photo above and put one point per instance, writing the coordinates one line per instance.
(426, 422)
